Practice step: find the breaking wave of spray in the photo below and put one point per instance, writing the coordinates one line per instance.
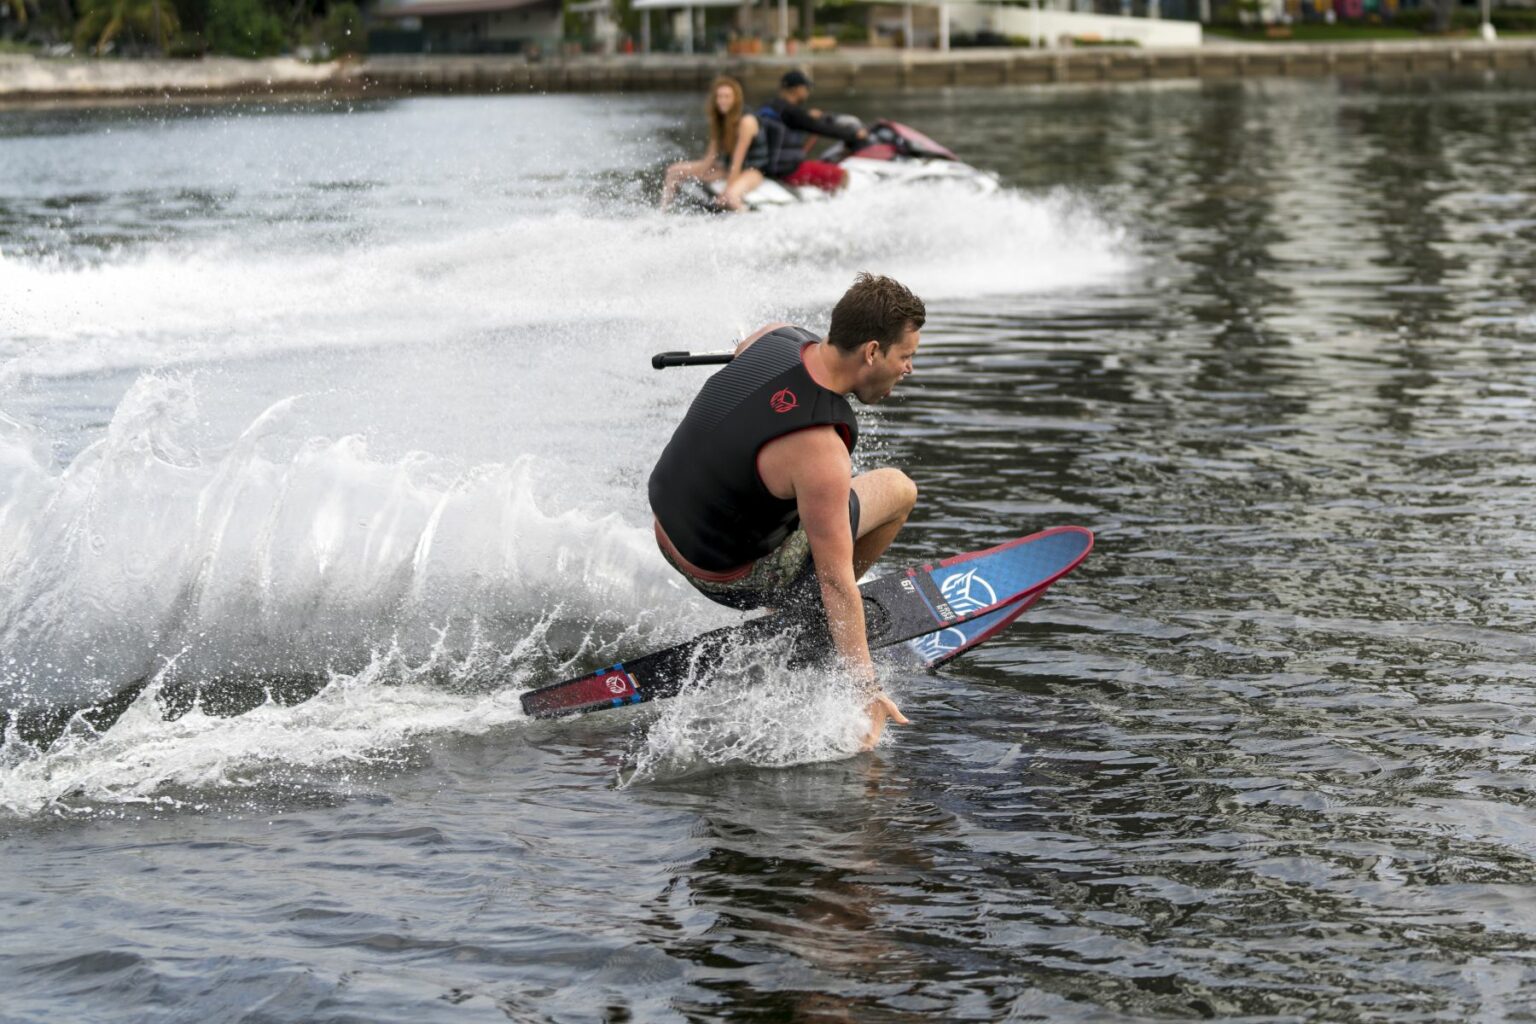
(276, 557)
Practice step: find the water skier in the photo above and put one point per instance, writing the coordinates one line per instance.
(754, 495)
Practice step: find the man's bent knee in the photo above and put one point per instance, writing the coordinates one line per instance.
(908, 490)
(900, 488)
(885, 496)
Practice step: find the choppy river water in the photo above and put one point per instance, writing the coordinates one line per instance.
(339, 417)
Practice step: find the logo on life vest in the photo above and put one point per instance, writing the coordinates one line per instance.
(784, 401)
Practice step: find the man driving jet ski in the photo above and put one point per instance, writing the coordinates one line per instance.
(787, 117)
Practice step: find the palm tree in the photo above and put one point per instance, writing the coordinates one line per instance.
(104, 20)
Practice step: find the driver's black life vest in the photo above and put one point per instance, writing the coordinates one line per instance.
(787, 151)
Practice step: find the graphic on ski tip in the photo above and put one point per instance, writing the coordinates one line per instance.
(943, 645)
(937, 611)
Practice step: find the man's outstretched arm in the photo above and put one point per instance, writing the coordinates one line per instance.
(804, 120)
(822, 482)
(823, 476)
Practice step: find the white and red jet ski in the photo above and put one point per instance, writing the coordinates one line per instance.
(893, 155)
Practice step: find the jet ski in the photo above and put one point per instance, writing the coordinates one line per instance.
(893, 154)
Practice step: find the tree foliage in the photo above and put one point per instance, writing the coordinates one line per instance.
(343, 31)
(104, 22)
(244, 28)
(190, 28)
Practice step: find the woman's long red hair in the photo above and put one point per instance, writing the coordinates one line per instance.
(723, 127)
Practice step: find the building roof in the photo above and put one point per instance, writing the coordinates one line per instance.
(654, 5)
(436, 8)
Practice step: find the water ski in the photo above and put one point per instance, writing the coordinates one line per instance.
(938, 611)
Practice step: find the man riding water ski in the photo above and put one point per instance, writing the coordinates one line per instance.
(787, 161)
(754, 495)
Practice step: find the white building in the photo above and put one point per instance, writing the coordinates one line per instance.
(935, 24)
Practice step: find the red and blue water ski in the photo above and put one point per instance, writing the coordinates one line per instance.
(944, 645)
(950, 606)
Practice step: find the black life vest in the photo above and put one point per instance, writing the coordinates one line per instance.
(759, 151)
(705, 491)
(788, 150)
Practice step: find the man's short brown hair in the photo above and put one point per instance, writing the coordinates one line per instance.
(875, 309)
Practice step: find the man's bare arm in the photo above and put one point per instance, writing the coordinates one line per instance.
(812, 466)
(822, 476)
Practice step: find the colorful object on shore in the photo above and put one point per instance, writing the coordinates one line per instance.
(942, 609)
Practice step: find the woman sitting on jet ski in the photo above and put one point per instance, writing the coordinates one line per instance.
(738, 149)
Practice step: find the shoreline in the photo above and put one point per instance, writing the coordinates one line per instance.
(29, 81)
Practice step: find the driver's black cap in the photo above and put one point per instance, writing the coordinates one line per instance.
(794, 78)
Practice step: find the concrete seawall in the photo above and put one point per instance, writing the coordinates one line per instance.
(28, 80)
(965, 68)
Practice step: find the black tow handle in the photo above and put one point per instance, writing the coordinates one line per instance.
(662, 360)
